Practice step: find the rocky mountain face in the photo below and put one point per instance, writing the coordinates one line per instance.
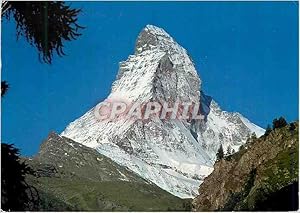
(263, 176)
(71, 176)
(176, 155)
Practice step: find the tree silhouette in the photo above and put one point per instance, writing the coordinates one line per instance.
(4, 88)
(16, 194)
(292, 127)
(45, 25)
(253, 136)
(278, 123)
(229, 150)
(220, 153)
(268, 130)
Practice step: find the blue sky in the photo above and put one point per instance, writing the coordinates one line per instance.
(246, 54)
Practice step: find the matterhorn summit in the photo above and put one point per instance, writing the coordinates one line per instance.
(174, 154)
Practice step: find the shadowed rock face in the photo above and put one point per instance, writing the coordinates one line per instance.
(251, 178)
(71, 176)
(62, 157)
(174, 154)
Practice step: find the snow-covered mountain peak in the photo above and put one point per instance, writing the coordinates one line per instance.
(160, 69)
(152, 37)
(174, 154)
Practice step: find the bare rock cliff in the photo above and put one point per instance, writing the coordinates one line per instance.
(247, 179)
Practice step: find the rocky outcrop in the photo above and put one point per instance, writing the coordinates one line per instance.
(62, 157)
(249, 177)
(70, 176)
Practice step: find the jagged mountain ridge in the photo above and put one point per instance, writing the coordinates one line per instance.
(176, 155)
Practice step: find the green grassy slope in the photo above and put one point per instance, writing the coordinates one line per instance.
(70, 176)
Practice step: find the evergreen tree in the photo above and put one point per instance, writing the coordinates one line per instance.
(268, 130)
(250, 139)
(44, 24)
(292, 127)
(278, 123)
(220, 153)
(253, 137)
(16, 194)
(4, 88)
(229, 152)
(275, 123)
(242, 147)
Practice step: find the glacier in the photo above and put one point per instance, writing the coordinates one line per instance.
(176, 155)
